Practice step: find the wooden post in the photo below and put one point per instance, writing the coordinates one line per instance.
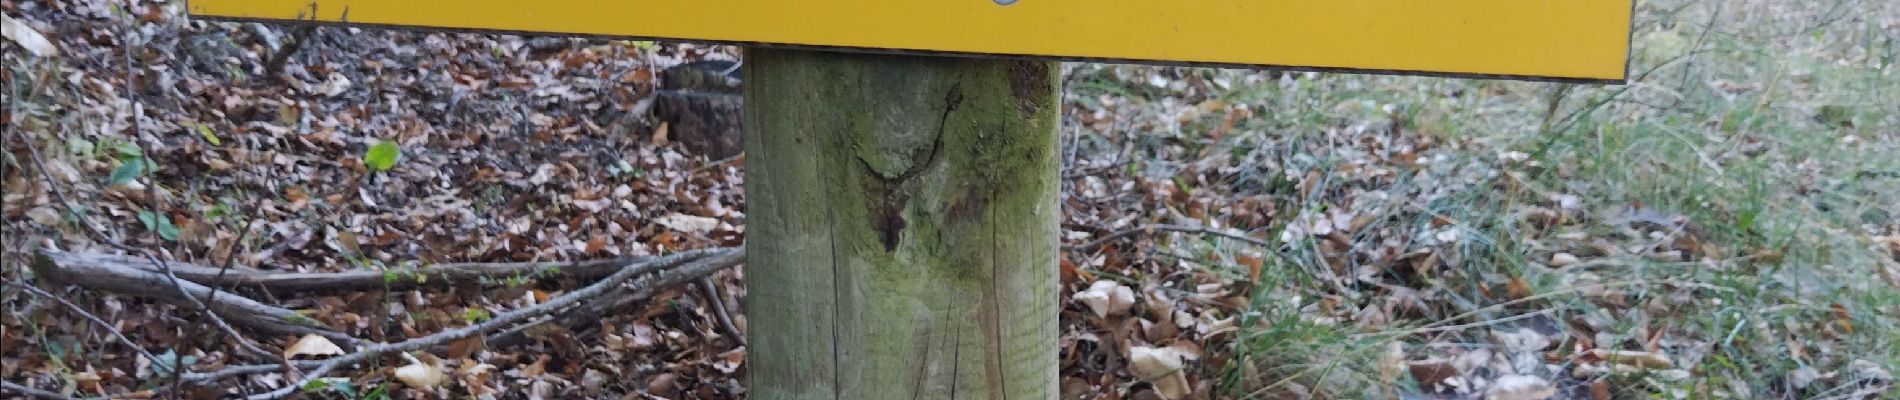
(902, 226)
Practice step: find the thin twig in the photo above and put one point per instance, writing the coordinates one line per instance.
(225, 266)
(590, 312)
(31, 392)
(1478, 324)
(145, 158)
(505, 319)
(152, 203)
(718, 304)
(114, 330)
(241, 370)
(83, 269)
(1091, 245)
(1266, 247)
(52, 186)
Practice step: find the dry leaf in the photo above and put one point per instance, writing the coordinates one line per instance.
(688, 223)
(1107, 298)
(1391, 362)
(1161, 367)
(1520, 387)
(44, 215)
(1517, 288)
(28, 38)
(421, 374)
(1431, 371)
(1842, 318)
(1600, 389)
(1253, 263)
(659, 135)
(1561, 260)
(312, 345)
(1641, 359)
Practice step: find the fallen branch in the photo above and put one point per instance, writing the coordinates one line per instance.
(109, 327)
(611, 282)
(31, 392)
(718, 304)
(75, 269)
(1091, 245)
(397, 279)
(53, 186)
(619, 297)
(672, 272)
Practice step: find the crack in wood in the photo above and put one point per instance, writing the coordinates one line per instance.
(956, 361)
(923, 360)
(887, 215)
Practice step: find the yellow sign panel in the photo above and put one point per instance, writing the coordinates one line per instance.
(1584, 40)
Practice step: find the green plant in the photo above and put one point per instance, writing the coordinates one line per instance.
(160, 224)
(382, 156)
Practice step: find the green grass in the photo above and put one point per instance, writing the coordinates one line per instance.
(1772, 129)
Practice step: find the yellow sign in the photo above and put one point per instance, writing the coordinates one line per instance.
(1585, 40)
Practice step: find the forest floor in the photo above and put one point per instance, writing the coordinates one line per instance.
(1726, 225)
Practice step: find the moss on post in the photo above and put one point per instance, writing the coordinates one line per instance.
(902, 221)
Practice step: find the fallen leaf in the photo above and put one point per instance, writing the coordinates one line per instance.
(44, 215)
(1561, 260)
(1160, 367)
(663, 383)
(1641, 359)
(1431, 371)
(1517, 288)
(1802, 377)
(312, 345)
(593, 379)
(335, 85)
(1521, 340)
(1253, 263)
(659, 135)
(424, 373)
(688, 223)
(1391, 362)
(1520, 387)
(1841, 317)
(382, 156)
(1107, 297)
(28, 38)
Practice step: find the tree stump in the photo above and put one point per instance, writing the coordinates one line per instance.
(701, 104)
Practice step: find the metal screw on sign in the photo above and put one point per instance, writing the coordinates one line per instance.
(1005, 2)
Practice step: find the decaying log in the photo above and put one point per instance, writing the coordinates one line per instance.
(702, 105)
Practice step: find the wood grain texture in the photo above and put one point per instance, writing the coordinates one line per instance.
(902, 218)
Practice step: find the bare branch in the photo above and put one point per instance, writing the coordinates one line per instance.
(1091, 245)
(71, 268)
(619, 297)
(31, 392)
(396, 279)
(110, 328)
(704, 257)
(718, 304)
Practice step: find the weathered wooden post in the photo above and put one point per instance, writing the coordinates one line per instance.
(901, 226)
(901, 209)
